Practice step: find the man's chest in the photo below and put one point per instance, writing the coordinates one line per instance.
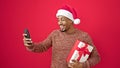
(64, 42)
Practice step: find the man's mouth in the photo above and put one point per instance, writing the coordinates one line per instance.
(62, 27)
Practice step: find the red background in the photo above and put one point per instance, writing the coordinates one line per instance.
(100, 18)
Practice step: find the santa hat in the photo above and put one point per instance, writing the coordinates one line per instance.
(68, 12)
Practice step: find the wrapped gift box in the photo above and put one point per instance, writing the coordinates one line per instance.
(80, 52)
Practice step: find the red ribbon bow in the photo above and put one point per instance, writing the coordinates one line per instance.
(83, 51)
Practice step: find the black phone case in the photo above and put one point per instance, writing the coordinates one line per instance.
(27, 32)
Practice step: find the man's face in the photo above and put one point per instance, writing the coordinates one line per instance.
(64, 23)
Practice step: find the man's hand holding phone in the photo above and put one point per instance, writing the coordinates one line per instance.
(26, 38)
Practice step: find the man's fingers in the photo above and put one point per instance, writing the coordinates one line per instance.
(75, 61)
(27, 39)
(27, 42)
(70, 65)
(27, 45)
(24, 34)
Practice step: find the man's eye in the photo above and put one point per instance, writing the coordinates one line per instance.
(62, 20)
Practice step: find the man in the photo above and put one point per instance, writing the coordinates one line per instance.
(63, 40)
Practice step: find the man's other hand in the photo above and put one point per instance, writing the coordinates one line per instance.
(75, 64)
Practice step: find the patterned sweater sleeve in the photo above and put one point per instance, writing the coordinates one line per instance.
(42, 46)
(94, 57)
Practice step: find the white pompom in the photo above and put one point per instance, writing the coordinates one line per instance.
(77, 21)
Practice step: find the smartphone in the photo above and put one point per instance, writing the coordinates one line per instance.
(27, 32)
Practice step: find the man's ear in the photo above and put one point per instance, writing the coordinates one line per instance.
(71, 21)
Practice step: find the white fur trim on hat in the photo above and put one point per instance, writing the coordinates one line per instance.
(65, 13)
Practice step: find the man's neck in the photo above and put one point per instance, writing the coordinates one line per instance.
(71, 30)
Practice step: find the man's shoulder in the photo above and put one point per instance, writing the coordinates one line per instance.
(56, 31)
(81, 31)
